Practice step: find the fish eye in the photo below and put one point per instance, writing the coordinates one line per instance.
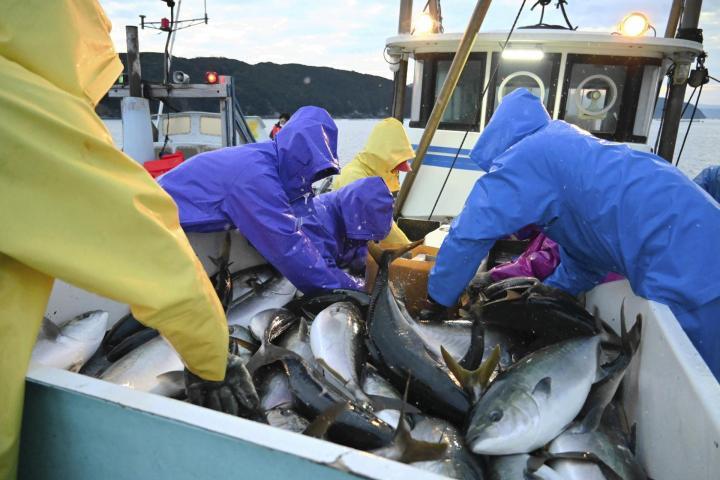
(495, 415)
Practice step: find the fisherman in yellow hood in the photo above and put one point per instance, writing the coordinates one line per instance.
(385, 155)
(74, 207)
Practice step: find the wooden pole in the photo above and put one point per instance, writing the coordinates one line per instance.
(453, 75)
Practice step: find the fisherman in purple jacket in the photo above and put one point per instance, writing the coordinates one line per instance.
(258, 188)
(346, 219)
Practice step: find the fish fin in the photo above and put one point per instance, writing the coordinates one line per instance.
(412, 450)
(130, 343)
(49, 330)
(475, 381)
(543, 388)
(239, 342)
(267, 354)
(591, 421)
(607, 471)
(632, 441)
(319, 427)
(380, 403)
(409, 449)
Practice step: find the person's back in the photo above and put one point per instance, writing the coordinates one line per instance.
(258, 189)
(709, 180)
(384, 155)
(610, 208)
(346, 219)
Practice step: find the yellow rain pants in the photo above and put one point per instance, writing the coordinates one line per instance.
(387, 147)
(74, 207)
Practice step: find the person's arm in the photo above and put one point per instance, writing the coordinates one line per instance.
(501, 202)
(76, 208)
(259, 208)
(396, 236)
(572, 276)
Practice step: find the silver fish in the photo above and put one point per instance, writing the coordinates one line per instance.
(613, 454)
(515, 467)
(275, 294)
(260, 322)
(287, 419)
(534, 400)
(154, 367)
(376, 385)
(456, 462)
(70, 346)
(337, 343)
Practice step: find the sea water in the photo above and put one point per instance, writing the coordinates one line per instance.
(700, 148)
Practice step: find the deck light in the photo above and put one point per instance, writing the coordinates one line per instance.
(425, 23)
(519, 54)
(211, 78)
(634, 25)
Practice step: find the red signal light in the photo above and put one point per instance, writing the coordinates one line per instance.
(211, 77)
(165, 24)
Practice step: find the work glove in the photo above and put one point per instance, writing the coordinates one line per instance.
(478, 284)
(235, 394)
(433, 310)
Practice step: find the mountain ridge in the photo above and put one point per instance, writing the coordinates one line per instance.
(267, 89)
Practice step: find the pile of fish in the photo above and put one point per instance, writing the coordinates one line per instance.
(523, 386)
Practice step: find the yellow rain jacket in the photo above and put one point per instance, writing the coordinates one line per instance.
(387, 147)
(72, 206)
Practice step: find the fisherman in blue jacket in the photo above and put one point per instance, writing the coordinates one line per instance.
(346, 219)
(609, 207)
(709, 180)
(261, 189)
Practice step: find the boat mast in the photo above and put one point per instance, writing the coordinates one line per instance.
(400, 81)
(676, 98)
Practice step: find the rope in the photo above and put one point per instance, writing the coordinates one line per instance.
(478, 111)
(665, 104)
(692, 117)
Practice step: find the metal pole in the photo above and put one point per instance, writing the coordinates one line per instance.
(453, 75)
(676, 97)
(400, 80)
(673, 19)
(133, 61)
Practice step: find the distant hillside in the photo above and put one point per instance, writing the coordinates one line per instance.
(688, 111)
(267, 89)
(711, 111)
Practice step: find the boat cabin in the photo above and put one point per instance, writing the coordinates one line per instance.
(604, 83)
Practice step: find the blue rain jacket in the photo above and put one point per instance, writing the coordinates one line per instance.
(346, 219)
(709, 180)
(258, 189)
(610, 208)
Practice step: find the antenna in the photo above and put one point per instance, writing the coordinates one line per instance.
(172, 25)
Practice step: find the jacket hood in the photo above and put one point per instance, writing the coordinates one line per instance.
(307, 150)
(73, 50)
(365, 208)
(387, 146)
(520, 114)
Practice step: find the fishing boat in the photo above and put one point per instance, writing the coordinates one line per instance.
(79, 427)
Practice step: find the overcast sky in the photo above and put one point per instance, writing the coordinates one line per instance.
(350, 34)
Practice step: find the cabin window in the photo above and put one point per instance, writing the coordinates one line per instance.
(462, 109)
(175, 125)
(210, 126)
(601, 95)
(539, 77)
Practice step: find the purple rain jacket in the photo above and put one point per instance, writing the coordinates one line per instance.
(346, 219)
(252, 188)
